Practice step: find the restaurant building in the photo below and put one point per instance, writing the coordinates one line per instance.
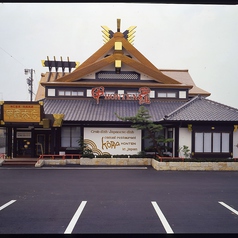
(117, 79)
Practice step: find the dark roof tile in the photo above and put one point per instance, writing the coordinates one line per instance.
(197, 109)
(89, 110)
(202, 109)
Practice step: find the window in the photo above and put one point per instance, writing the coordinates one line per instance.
(166, 95)
(182, 94)
(152, 94)
(207, 142)
(70, 136)
(67, 93)
(51, 92)
(216, 142)
(109, 92)
(77, 93)
(132, 92)
(61, 93)
(225, 143)
(120, 91)
(148, 142)
(198, 142)
(89, 93)
(212, 142)
(70, 93)
(74, 93)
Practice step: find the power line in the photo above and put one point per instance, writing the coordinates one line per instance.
(12, 56)
(30, 80)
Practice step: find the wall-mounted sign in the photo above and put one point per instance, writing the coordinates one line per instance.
(21, 113)
(114, 141)
(23, 134)
(143, 95)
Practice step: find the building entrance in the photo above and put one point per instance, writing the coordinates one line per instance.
(24, 147)
(42, 143)
(31, 143)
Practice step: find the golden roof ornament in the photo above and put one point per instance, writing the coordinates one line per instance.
(128, 34)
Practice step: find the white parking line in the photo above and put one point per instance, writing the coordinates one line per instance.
(162, 218)
(7, 204)
(228, 207)
(75, 218)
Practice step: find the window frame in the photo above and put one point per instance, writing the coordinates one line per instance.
(70, 137)
(214, 152)
(70, 93)
(166, 94)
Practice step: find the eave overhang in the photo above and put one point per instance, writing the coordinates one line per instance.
(205, 94)
(114, 84)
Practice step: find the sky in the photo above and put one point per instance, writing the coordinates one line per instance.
(200, 38)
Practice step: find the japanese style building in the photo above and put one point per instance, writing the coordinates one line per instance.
(117, 78)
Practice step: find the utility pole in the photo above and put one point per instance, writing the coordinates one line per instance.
(30, 82)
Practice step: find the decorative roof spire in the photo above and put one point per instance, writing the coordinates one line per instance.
(118, 25)
(128, 34)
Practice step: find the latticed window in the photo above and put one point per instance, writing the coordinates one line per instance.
(70, 136)
(207, 142)
(111, 75)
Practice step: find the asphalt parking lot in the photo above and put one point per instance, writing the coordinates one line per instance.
(117, 201)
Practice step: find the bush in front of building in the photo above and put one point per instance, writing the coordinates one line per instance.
(85, 150)
(142, 121)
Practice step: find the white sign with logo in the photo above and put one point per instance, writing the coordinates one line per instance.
(114, 141)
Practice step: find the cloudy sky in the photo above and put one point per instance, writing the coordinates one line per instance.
(200, 38)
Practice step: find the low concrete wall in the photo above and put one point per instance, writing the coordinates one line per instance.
(42, 162)
(204, 166)
(61, 162)
(95, 161)
(115, 161)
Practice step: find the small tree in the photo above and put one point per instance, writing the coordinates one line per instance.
(84, 148)
(185, 150)
(141, 121)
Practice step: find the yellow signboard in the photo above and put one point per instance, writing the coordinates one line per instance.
(21, 113)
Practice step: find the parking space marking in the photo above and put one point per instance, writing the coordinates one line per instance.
(7, 204)
(228, 207)
(75, 218)
(162, 218)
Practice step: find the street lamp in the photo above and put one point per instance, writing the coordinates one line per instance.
(30, 81)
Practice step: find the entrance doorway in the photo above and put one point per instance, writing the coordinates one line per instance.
(24, 147)
(31, 143)
(43, 141)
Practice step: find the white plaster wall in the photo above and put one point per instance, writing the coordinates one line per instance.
(235, 142)
(185, 138)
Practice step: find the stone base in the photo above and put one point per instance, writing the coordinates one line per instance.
(59, 162)
(203, 166)
(115, 161)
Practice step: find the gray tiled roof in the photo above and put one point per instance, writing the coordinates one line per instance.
(202, 109)
(89, 110)
(197, 109)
